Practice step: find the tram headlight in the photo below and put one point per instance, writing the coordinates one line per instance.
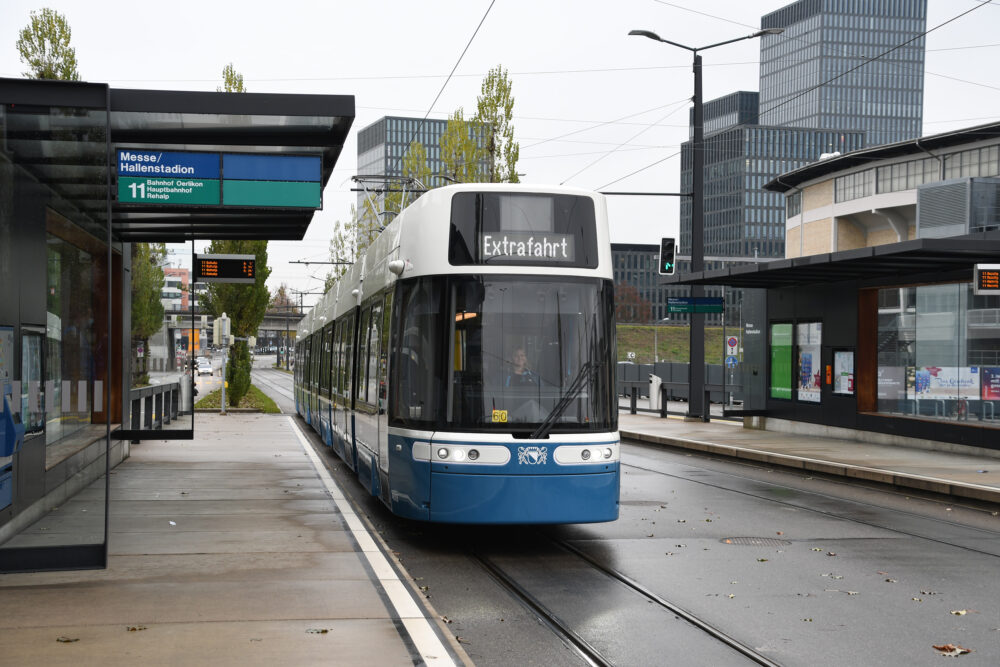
(473, 454)
(443, 453)
(585, 455)
(607, 452)
(459, 455)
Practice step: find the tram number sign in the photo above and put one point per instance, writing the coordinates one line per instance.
(986, 279)
(499, 416)
(225, 268)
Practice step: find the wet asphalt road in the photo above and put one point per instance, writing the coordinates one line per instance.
(803, 569)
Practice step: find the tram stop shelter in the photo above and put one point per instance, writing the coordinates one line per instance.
(892, 341)
(221, 166)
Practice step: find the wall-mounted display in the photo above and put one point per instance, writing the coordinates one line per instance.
(781, 361)
(808, 338)
(843, 372)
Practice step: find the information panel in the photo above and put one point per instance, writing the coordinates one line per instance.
(225, 269)
(255, 180)
(701, 304)
(986, 279)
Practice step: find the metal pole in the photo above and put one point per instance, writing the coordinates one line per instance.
(696, 371)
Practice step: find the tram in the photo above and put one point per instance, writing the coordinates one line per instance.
(463, 367)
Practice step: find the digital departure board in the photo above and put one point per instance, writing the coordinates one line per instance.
(225, 269)
(986, 279)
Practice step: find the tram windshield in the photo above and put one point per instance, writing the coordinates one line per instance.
(530, 355)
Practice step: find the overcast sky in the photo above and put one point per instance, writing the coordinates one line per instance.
(592, 104)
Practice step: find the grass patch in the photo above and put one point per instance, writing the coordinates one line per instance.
(672, 343)
(254, 398)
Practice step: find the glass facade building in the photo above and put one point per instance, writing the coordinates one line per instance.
(741, 218)
(824, 39)
(752, 138)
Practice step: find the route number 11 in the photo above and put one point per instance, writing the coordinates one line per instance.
(139, 188)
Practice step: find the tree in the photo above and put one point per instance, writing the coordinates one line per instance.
(245, 305)
(147, 309)
(494, 114)
(630, 307)
(232, 81)
(282, 299)
(44, 47)
(461, 155)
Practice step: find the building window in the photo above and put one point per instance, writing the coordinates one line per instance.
(939, 353)
(794, 204)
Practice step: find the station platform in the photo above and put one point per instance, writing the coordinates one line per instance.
(963, 472)
(238, 548)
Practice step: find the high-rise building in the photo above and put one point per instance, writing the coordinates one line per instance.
(382, 145)
(817, 72)
(750, 139)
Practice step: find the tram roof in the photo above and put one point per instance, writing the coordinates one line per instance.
(193, 121)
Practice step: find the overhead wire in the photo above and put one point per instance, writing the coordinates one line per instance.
(760, 113)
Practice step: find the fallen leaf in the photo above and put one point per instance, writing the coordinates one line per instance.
(928, 592)
(448, 620)
(681, 520)
(317, 631)
(916, 599)
(830, 553)
(761, 560)
(731, 596)
(881, 572)
(953, 650)
(807, 620)
(708, 521)
(816, 549)
(780, 533)
(963, 612)
(852, 592)
(135, 628)
(67, 640)
(891, 581)
(650, 535)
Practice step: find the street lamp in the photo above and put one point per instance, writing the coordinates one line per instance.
(696, 373)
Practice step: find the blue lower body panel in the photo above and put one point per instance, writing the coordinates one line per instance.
(580, 498)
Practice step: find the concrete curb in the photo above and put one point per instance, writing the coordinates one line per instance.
(933, 484)
(217, 411)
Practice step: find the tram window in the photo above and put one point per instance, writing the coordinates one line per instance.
(384, 350)
(418, 383)
(317, 354)
(371, 391)
(360, 382)
(305, 364)
(324, 380)
(348, 355)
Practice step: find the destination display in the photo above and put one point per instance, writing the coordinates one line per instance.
(527, 246)
(225, 269)
(159, 178)
(701, 304)
(986, 279)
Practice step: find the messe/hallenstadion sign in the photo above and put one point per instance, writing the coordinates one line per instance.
(157, 177)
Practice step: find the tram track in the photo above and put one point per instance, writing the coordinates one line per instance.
(840, 515)
(572, 638)
(264, 375)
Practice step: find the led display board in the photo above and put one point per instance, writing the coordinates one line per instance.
(225, 269)
(986, 279)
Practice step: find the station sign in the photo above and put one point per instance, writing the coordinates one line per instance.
(701, 304)
(986, 279)
(225, 269)
(246, 180)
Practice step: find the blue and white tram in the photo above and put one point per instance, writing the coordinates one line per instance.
(464, 366)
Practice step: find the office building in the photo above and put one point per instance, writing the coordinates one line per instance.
(751, 139)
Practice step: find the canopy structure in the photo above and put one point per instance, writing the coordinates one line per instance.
(885, 263)
(73, 151)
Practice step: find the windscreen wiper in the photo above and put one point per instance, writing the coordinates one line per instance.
(572, 392)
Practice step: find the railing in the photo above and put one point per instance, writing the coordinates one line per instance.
(722, 385)
(153, 407)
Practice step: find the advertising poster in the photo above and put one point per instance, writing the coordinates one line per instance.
(781, 361)
(891, 383)
(990, 378)
(946, 382)
(809, 362)
(843, 372)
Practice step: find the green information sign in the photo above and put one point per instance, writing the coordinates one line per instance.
(781, 361)
(272, 193)
(705, 304)
(151, 190)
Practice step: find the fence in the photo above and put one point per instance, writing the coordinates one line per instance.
(154, 406)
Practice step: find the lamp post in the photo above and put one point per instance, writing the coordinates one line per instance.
(696, 372)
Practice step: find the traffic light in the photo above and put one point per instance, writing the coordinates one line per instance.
(667, 260)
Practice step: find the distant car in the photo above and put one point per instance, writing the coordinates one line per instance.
(204, 367)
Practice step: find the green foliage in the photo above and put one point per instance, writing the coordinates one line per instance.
(232, 81)
(238, 372)
(630, 306)
(461, 155)
(494, 113)
(44, 47)
(147, 309)
(254, 399)
(244, 304)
